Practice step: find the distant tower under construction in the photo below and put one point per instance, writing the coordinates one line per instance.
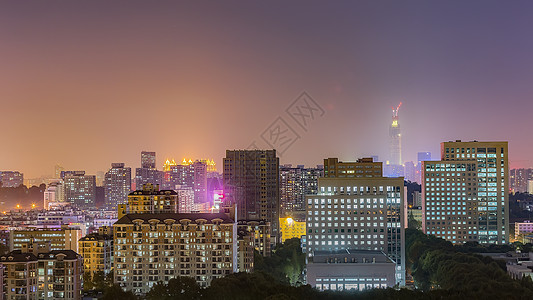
(395, 139)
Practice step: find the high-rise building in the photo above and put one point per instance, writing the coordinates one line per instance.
(259, 231)
(11, 178)
(294, 185)
(148, 173)
(465, 194)
(251, 181)
(410, 171)
(152, 200)
(395, 139)
(148, 160)
(358, 214)
(97, 252)
(188, 174)
(80, 189)
(100, 177)
(153, 248)
(185, 199)
(518, 180)
(363, 167)
(423, 156)
(390, 170)
(57, 171)
(117, 185)
(54, 194)
(40, 273)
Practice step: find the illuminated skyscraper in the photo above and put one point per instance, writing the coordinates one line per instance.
(147, 173)
(519, 178)
(148, 160)
(117, 184)
(358, 214)
(251, 180)
(465, 194)
(395, 139)
(294, 185)
(11, 178)
(80, 189)
(188, 174)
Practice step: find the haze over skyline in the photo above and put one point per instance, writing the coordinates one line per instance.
(85, 84)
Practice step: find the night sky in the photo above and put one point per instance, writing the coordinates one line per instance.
(85, 84)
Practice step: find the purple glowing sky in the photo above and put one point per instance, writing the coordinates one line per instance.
(85, 84)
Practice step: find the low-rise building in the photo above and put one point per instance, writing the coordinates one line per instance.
(351, 270)
(61, 238)
(523, 228)
(291, 228)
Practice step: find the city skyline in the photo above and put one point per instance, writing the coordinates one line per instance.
(88, 71)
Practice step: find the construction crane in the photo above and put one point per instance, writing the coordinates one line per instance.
(395, 111)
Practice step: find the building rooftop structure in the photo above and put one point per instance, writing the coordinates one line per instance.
(179, 217)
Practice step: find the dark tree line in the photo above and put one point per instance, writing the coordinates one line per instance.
(22, 195)
(438, 265)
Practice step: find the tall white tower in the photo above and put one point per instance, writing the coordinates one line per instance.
(395, 139)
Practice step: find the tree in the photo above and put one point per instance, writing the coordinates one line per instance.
(286, 264)
(181, 287)
(115, 292)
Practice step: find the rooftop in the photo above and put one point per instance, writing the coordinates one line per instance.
(193, 217)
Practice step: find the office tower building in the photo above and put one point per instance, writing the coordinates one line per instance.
(97, 252)
(144, 176)
(153, 248)
(70, 173)
(54, 195)
(465, 194)
(200, 181)
(63, 238)
(294, 185)
(251, 180)
(518, 180)
(148, 173)
(410, 171)
(148, 160)
(358, 214)
(117, 185)
(57, 171)
(11, 179)
(100, 177)
(191, 174)
(152, 200)
(395, 139)
(41, 273)
(362, 168)
(185, 199)
(80, 189)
